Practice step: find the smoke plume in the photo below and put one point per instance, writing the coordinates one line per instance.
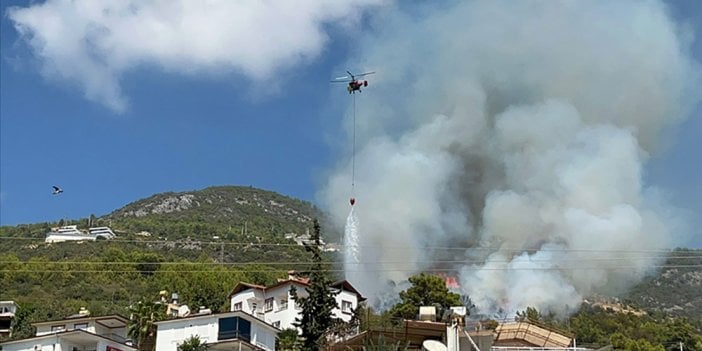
(512, 137)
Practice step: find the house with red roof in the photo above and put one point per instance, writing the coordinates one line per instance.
(274, 304)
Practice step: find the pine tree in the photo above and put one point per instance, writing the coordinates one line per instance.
(426, 290)
(317, 307)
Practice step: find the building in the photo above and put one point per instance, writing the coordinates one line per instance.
(79, 332)
(173, 308)
(8, 309)
(412, 335)
(72, 233)
(222, 331)
(274, 304)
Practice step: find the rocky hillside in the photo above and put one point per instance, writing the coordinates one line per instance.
(229, 212)
(676, 290)
(221, 203)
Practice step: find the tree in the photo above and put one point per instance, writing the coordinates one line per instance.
(141, 326)
(192, 343)
(21, 326)
(287, 340)
(426, 290)
(317, 307)
(530, 314)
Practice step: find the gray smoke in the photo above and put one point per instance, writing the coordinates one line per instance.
(518, 130)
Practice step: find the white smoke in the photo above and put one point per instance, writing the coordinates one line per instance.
(520, 130)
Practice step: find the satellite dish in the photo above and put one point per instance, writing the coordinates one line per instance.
(433, 345)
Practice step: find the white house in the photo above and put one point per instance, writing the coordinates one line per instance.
(72, 233)
(7, 313)
(274, 305)
(222, 331)
(76, 333)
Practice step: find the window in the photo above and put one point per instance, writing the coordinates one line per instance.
(283, 304)
(268, 304)
(80, 326)
(58, 328)
(276, 324)
(346, 306)
(234, 328)
(237, 307)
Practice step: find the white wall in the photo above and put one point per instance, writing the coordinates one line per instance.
(287, 315)
(22, 346)
(174, 332)
(27, 346)
(345, 296)
(245, 298)
(46, 329)
(47, 344)
(171, 334)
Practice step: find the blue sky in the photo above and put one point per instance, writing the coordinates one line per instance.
(179, 133)
(276, 126)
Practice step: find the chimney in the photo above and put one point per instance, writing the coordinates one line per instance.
(174, 298)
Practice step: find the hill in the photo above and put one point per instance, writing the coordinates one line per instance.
(223, 211)
(197, 243)
(675, 290)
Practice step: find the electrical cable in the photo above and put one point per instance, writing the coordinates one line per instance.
(271, 263)
(501, 249)
(430, 270)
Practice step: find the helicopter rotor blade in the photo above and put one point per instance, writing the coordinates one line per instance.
(365, 74)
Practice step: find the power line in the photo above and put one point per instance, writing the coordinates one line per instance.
(591, 259)
(430, 270)
(384, 247)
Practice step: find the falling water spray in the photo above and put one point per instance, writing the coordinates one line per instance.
(351, 249)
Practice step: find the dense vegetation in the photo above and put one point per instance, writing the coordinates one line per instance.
(596, 326)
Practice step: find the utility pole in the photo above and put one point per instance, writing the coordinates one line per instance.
(221, 257)
(681, 347)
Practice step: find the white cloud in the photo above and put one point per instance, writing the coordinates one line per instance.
(93, 43)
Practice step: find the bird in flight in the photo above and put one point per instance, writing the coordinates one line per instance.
(57, 190)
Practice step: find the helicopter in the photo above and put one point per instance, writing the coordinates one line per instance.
(354, 84)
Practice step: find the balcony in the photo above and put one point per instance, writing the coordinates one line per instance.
(281, 307)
